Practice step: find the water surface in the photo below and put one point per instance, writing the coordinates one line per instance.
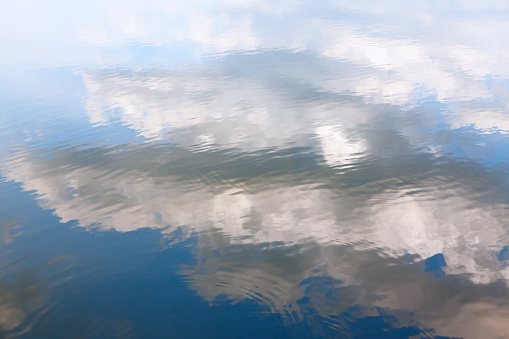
(260, 169)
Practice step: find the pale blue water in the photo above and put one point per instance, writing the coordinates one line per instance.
(255, 169)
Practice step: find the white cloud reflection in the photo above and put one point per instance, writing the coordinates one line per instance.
(333, 107)
(448, 51)
(211, 111)
(404, 56)
(306, 221)
(467, 233)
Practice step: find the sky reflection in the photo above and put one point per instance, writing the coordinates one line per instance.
(341, 165)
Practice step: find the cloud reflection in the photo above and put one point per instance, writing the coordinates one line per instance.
(349, 194)
(324, 143)
(419, 60)
(453, 53)
(422, 220)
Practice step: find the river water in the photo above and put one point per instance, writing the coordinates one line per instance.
(254, 169)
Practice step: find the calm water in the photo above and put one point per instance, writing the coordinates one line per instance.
(254, 169)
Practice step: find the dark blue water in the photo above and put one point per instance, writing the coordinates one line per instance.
(256, 169)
